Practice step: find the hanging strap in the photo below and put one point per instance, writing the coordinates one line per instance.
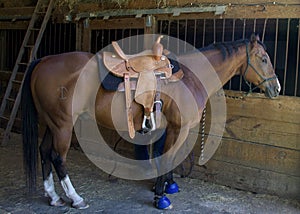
(158, 102)
(128, 101)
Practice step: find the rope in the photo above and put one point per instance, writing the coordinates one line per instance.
(203, 132)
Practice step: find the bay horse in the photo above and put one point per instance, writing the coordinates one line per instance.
(43, 106)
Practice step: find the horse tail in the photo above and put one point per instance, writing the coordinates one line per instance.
(29, 130)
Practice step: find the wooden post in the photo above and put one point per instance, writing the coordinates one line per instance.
(79, 36)
(150, 29)
(86, 37)
(2, 51)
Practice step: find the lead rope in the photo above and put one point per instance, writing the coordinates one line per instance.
(204, 117)
(203, 133)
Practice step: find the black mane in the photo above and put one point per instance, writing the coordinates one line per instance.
(228, 48)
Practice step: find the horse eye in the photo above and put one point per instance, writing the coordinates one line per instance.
(264, 60)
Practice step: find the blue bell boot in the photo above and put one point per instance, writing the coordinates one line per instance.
(172, 188)
(162, 202)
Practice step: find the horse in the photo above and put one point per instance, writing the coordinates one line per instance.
(43, 106)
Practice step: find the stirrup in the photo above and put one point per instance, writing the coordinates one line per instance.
(148, 125)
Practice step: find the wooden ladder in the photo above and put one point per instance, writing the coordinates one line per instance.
(27, 53)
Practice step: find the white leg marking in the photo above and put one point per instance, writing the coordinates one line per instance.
(70, 191)
(49, 189)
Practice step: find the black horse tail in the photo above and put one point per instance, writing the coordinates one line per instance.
(29, 130)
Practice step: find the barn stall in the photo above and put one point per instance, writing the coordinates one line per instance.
(259, 150)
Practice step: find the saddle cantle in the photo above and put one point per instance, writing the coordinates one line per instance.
(148, 67)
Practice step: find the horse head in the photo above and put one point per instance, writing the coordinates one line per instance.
(259, 69)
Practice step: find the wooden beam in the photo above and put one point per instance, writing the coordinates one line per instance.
(146, 4)
(250, 12)
(16, 13)
(176, 11)
(18, 25)
(124, 23)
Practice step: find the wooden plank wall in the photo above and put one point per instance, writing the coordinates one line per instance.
(260, 150)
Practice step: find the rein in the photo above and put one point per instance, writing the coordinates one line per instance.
(247, 69)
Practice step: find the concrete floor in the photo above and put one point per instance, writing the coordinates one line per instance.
(124, 196)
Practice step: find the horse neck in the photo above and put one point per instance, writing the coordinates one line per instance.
(210, 62)
(228, 67)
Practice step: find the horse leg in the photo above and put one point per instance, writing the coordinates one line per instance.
(178, 136)
(171, 185)
(45, 151)
(62, 141)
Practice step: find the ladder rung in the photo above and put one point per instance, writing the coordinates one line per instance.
(35, 29)
(23, 63)
(4, 118)
(41, 12)
(10, 100)
(17, 82)
(29, 46)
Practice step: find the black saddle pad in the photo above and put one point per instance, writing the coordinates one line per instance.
(110, 82)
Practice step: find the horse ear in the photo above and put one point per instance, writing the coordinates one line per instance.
(254, 38)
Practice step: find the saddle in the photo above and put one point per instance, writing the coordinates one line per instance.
(146, 68)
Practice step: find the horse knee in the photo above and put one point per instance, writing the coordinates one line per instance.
(59, 165)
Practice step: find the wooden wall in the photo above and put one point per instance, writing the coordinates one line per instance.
(260, 148)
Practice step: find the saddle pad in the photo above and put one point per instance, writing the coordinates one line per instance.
(145, 90)
(109, 81)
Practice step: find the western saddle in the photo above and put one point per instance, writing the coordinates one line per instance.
(148, 68)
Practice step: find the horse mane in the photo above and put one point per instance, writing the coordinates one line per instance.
(228, 48)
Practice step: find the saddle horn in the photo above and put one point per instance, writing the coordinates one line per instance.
(157, 49)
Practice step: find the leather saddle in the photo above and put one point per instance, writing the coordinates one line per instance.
(147, 68)
(153, 60)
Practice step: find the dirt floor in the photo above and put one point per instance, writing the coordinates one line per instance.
(123, 196)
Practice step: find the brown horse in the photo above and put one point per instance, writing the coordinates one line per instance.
(47, 99)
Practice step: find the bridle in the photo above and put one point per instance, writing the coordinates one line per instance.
(249, 64)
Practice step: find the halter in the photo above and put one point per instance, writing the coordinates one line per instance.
(262, 77)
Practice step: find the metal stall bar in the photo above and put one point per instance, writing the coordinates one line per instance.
(254, 25)
(286, 55)
(244, 33)
(223, 30)
(203, 39)
(297, 61)
(169, 32)
(264, 30)
(185, 34)
(276, 43)
(178, 36)
(232, 39)
(214, 31)
(129, 48)
(195, 33)
(109, 36)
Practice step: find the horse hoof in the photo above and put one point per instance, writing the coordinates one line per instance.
(81, 206)
(59, 203)
(172, 188)
(163, 203)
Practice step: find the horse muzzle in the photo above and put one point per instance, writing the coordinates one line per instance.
(272, 91)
